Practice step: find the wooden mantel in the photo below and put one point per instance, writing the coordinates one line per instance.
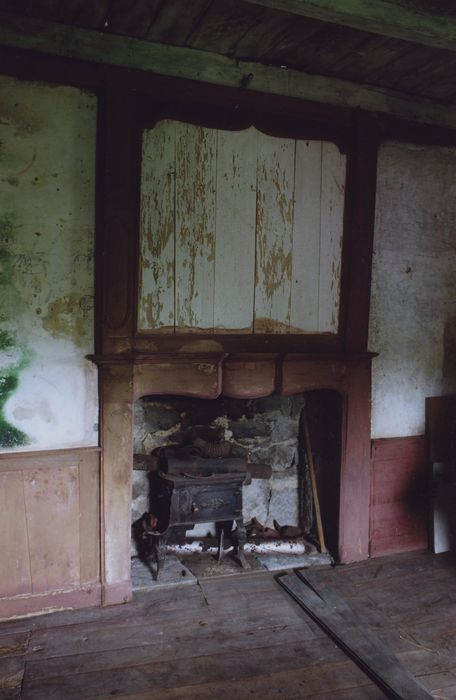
(126, 378)
(136, 363)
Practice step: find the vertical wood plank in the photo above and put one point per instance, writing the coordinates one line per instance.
(119, 155)
(306, 237)
(235, 229)
(332, 216)
(157, 221)
(362, 180)
(195, 226)
(14, 552)
(89, 516)
(52, 512)
(275, 189)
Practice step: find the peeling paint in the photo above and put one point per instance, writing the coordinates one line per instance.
(191, 179)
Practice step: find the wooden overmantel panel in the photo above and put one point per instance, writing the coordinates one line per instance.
(240, 232)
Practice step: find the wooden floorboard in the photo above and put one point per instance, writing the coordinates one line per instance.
(237, 638)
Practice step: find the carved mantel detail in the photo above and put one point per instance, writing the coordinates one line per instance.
(127, 377)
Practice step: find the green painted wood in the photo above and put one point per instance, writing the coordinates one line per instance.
(203, 66)
(395, 19)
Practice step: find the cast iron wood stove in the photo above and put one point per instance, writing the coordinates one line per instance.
(187, 489)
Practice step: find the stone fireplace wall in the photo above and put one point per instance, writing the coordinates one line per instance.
(260, 430)
(265, 430)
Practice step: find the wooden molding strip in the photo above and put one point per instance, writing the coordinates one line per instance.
(18, 461)
(393, 19)
(88, 595)
(203, 66)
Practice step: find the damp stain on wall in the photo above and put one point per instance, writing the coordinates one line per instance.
(66, 317)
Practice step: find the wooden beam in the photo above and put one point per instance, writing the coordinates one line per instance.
(192, 64)
(386, 17)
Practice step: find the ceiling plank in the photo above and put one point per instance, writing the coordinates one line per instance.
(393, 18)
(192, 64)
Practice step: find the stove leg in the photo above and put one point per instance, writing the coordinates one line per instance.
(160, 552)
(223, 530)
(241, 540)
(220, 544)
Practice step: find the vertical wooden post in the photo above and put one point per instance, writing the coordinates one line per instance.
(362, 180)
(116, 476)
(117, 232)
(117, 223)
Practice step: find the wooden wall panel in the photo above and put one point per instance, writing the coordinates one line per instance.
(14, 551)
(306, 237)
(235, 229)
(51, 501)
(157, 227)
(50, 525)
(399, 496)
(240, 231)
(332, 213)
(89, 517)
(274, 230)
(195, 226)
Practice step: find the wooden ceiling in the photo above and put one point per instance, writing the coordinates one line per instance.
(245, 30)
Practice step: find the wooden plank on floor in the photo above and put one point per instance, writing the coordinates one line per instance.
(11, 675)
(154, 678)
(13, 644)
(340, 679)
(127, 651)
(336, 618)
(96, 638)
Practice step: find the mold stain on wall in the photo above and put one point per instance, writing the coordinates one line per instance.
(48, 389)
(10, 436)
(14, 358)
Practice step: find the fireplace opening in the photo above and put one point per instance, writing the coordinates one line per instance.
(263, 436)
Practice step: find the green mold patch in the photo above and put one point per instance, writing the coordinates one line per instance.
(7, 226)
(10, 436)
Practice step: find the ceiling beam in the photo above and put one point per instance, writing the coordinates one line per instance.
(192, 64)
(393, 18)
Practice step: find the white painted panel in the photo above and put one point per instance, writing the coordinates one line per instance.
(333, 168)
(306, 237)
(413, 300)
(239, 230)
(235, 229)
(275, 183)
(157, 222)
(48, 391)
(195, 226)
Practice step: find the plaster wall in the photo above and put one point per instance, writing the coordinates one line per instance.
(48, 390)
(413, 302)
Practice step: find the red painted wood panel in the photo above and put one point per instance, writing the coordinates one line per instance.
(52, 511)
(14, 549)
(399, 495)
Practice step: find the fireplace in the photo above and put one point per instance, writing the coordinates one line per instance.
(240, 376)
(261, 441)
